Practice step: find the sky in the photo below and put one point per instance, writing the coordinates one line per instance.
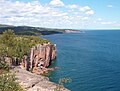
(72, 14)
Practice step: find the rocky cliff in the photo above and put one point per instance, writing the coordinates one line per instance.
(40, 58)
(31, 81)
(41, 53)
(46, 52)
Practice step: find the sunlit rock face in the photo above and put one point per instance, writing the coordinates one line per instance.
(45, 52)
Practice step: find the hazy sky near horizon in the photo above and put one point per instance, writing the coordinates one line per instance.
(76, 14)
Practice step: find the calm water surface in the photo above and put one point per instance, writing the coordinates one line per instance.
(90, 59)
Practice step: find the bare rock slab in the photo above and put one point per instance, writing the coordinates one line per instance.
(32, 82)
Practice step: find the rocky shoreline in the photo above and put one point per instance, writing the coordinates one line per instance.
(31, 54)
(34, 81)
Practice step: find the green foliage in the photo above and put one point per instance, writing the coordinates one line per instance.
(12, 45)
(7, 83)
(61, 83)
(8, 37)
(3, 65)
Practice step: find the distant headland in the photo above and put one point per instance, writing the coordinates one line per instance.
(37, 31)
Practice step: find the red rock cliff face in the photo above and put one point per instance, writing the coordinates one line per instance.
(46, 52)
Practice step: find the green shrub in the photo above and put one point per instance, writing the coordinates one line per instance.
(7, 83)
(4, 66)
(12, 45)
(61, 83)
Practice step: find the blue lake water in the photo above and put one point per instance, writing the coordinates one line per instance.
(90, 59)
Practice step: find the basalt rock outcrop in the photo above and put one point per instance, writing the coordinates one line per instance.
(45, 52)
(31, 81)
(40, 58)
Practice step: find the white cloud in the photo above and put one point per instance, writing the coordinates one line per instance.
(36, 14)
(109, 6)
(56, 3)
(99, 19)
(90, 12)
(102, 22)
(117, 25)
(53, 14)
(73, 6)
(85, 8)
(85, 18)
(27, 12)
(2, 1)
(106, 23)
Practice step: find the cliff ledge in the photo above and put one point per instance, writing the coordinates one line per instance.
(32, 82)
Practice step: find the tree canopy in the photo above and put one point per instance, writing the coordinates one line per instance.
(12, 45)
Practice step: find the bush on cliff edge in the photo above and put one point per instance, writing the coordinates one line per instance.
(7, 83)
(12, 45)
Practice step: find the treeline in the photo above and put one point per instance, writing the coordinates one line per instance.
(26, 30)
(12, 45)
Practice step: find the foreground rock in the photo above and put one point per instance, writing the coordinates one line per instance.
(32, 82)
